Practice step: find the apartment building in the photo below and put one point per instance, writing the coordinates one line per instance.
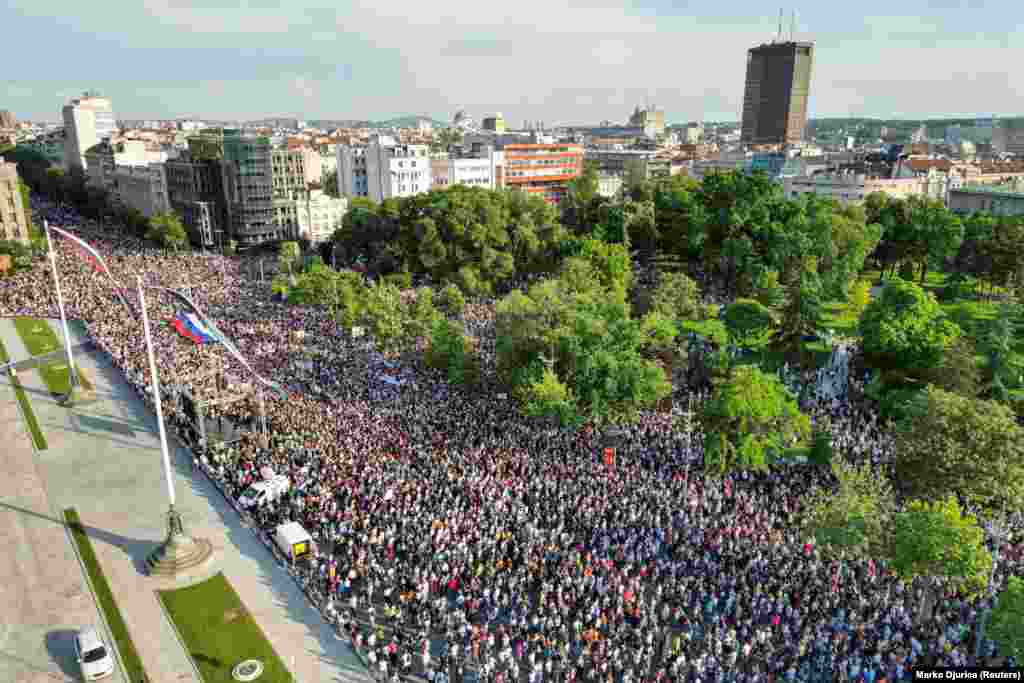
(849, 188)
(87, 120)
(544, 170)
(195, 191)
(352, 181)
(102, 159)
(775, 94)
(143, 188)
(633, 166)
(13, 219)
(1006, 199)
(319, 215)
(474, 172)
(383, 169)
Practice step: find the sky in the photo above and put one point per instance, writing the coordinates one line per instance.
(560, 62)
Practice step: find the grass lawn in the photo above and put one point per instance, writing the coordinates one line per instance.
(219, 632)
(26, 406)
(118, 630)
(39, 338)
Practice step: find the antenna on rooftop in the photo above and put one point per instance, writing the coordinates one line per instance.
(792, 28)
(778, 36)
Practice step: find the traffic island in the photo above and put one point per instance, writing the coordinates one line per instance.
(219, 634)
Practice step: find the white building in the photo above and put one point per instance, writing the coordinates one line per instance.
(143, 188)
(609, 185)
(446, 172)
(87, 120)
(320, 215)
(383, 169)
(848, 188)
(104, 158)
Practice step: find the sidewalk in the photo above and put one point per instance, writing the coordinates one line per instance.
(44, 596)
(104, 460)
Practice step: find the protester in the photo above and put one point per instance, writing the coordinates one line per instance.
(454, 535)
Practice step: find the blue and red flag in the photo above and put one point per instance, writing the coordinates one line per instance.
(190, 327)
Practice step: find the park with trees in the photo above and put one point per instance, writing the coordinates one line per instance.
(608, 307)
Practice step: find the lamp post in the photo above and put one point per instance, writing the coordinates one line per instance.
(72, 375)
(179, 553)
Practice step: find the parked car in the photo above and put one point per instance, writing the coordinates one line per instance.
(94, 657)
(265, 492)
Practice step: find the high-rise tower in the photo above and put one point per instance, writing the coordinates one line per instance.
(775, 97)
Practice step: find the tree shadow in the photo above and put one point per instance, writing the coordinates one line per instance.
(60, 645)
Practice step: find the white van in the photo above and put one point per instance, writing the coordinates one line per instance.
(264, 492)
(294, 541)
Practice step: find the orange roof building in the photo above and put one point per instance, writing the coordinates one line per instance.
(542, 169)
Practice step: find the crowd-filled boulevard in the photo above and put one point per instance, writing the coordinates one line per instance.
(458, 539)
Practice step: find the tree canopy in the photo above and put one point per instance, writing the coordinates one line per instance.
(951, 443)
(474, 237)
(936, 539)
(1006, 625)
(751, 418)
(854, 516)
(905, 329)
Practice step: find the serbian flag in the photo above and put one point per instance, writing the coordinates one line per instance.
(95, 261)
(190, 327)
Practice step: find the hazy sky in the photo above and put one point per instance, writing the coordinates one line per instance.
(563, 62)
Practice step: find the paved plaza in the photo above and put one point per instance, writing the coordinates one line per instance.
(104, 460)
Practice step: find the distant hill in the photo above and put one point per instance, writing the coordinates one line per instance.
(410, 121)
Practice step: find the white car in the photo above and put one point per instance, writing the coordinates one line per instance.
(94, 657)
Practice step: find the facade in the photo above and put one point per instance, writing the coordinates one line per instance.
(395, 170)
(1005, 200)
(143, 188)
(352, 181)
(633, 165)
(87, 120)
(474, 172)
(7, 119)
(195, 190)
(494, 124)
(1008, 137)
(848, 188)
(694, 133)
(103, 159)
(13, 219)
(542, 169)
(248, 176)
(775, 95)
(609, 185)
(319, 215)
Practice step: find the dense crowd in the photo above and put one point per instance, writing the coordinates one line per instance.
(478, 543)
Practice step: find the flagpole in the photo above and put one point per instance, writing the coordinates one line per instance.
(72, 376)
(156, 394)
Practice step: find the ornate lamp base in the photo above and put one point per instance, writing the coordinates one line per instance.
(179, 554)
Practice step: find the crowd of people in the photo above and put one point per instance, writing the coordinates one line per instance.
(457, 539)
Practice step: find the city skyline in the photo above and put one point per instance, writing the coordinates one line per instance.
(172, 59)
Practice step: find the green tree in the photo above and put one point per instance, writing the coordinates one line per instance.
(1006, 626)
(288, 256)
(853, 518)
(937, 540)
(424, 313)
(387, 318)
(450, 351)
(330, 184)
(998, 348)
(954, 443)
(905, 329)
(452, 300)
(749, 323)
(858, 300)
(677, 297)
(548, 396)
(167, 230)
(751, 418)
(768, 290)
